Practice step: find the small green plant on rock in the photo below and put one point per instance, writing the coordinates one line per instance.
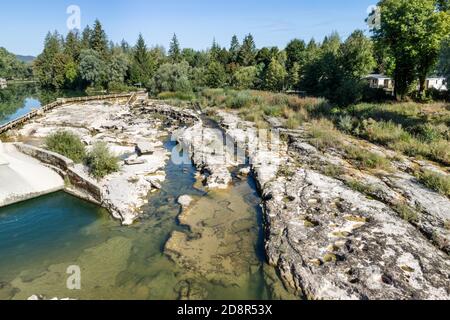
(66, 144)
(406, 213)
(101, 161)
(435, 181)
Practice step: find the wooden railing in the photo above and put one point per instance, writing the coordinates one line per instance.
(59, 102)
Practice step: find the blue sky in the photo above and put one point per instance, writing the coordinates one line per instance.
(24, 23)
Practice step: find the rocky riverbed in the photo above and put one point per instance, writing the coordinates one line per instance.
(326, 237)
(329, 241)
(133, 136)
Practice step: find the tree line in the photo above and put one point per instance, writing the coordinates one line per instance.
(11, 68)
(410, 43)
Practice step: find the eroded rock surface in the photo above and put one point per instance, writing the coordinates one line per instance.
(329, 241)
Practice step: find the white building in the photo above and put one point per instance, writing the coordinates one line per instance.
(438, 83)
(380, 81)
(2, 83)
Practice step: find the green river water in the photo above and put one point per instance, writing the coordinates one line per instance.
(41, 238)
(220, 254)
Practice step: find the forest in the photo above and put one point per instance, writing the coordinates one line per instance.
(411, 43)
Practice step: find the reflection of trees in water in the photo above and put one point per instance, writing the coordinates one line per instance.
(13, 98)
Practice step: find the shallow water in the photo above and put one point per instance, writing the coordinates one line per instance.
(40, 239)
(19, 99)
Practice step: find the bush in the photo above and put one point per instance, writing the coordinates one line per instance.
(119, 87)
(67, 144)
(440, 151)
(345, 123)
(100, 161)
(240, 100)
(428, 132)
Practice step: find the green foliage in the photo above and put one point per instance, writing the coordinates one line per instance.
(245, 77)
(141, 68)
(99, 40)
(101, 161)
(67, 144)
(235, 47)
(275, 76)
(11, 67)
(295, 51)
(172, 77)
(411, 34)
(174, 50)
(367, 160)
(360, 187)
(183, 96)
(444, 61)
(247, 52)
(406, 213)
(92, 68)
(215, 75)
(332, 170)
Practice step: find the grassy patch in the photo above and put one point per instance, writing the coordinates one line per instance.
(332, 170)
(101, 161)
(406, 213)
(360, 187)
(67, 144)
(367, 160)
(323, 135)
(435, 181)
(183, 96)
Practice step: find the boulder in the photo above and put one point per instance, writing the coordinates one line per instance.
(185, 201)
(145, 147)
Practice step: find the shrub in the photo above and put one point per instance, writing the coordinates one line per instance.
(100, 161)
(435, 181)
(332, 170)
(428, 133)
(67, 144)
(242, 99)
(384, 132)
(345, 123)
(272, 111)
(293, 122)
(360, 187)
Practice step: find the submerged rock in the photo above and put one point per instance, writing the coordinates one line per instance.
(185, 201)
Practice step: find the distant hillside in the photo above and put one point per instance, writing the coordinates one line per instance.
(25, 59)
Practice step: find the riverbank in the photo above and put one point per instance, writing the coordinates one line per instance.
(331, 241)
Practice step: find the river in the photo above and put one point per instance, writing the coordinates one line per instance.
(19, 99)
(40, 239)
